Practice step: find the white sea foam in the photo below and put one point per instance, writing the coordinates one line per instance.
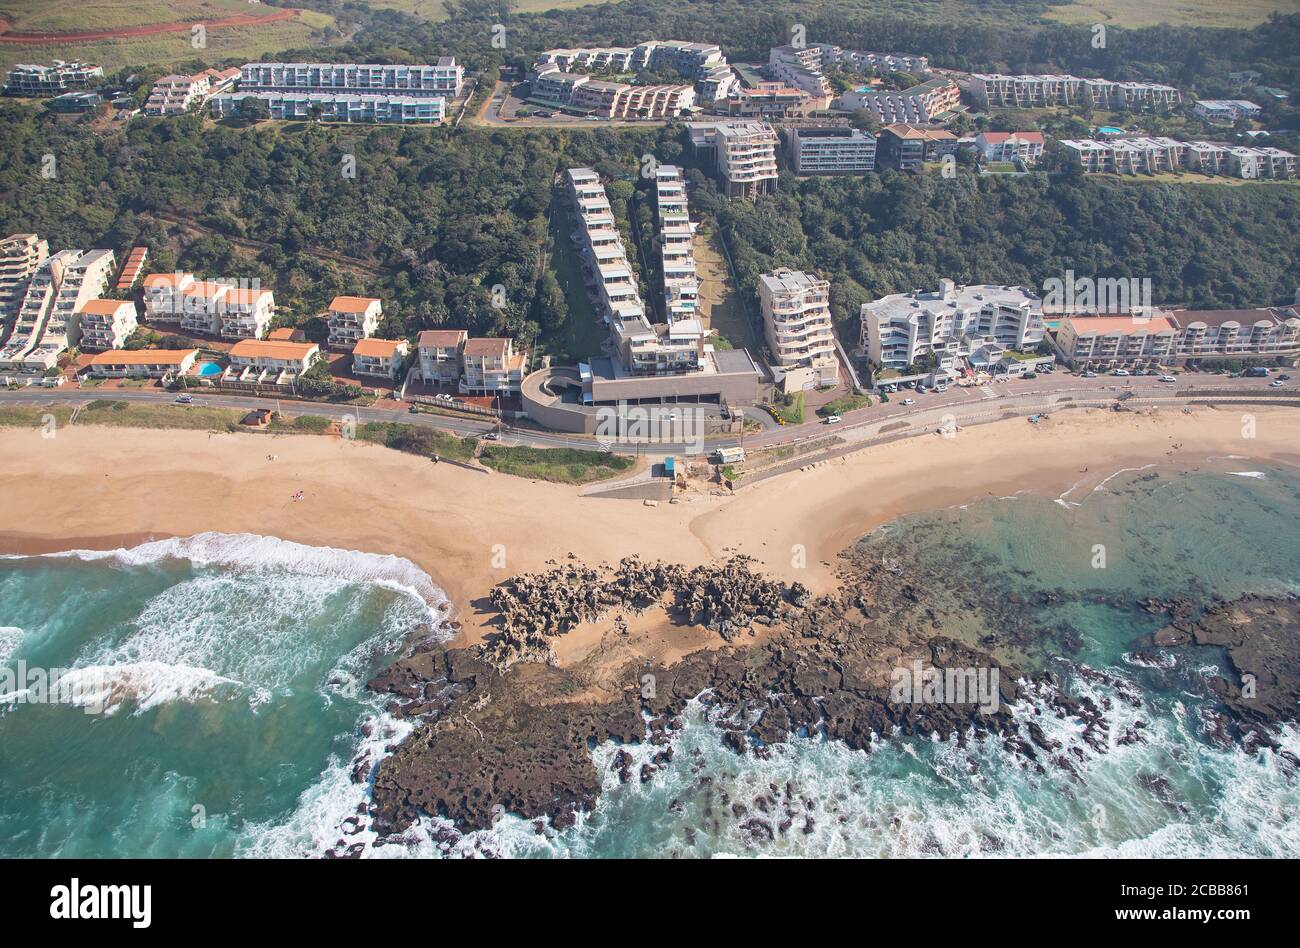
(105, 689)
(1254, 474)
(10, 638)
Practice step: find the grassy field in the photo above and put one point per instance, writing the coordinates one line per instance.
(434, 10)
(563, 465)
(122, 414)
(1137, 13)
(583, 332)
(415, 440)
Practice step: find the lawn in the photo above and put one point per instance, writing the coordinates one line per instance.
(417, 440)
(564, 465)
(845, 403)
(123, 414)
(788, 408)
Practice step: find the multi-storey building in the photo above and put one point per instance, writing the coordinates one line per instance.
(34, 81)
(830, 150)
(804, 66)
(245, 313)
(1225, 111)
(746, 158)
(950, 323)
(997, 91)
(907, 147)
(1105, 340)
(703, 63)
(1011, 146)
(1153, 155)
(252, 358)
(677, 255)
(337, 106)
(443, 79)
(201, 304)
(491, 367)
(141, 363)
(174, 94)
(351, 319)
(796, 310)
(49, 319)
(439, 351)
(131, 268)
(164, 299)
(771, 100)
(106, 324)
(620, 100)
(20, 256)
(1237, 333)
(379, 357)
(931, 101)
(605, 260)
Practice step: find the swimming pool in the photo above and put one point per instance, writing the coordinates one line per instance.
(207, 369)
(1110, 130)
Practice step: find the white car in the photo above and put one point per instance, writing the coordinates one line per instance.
(833, 419)
(1169, 378)
(1276, 383)
(1121, 373)
(1089, 375)
(909, 401)
(184, 399)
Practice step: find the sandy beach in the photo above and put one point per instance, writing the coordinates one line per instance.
(101, 488)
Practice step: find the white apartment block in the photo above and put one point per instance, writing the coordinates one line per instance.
(26, 79)
(797, 324)
(950, 322)
(106, 324)
(1237, 333)
(49, 319)
(20, 256)
(351, 319)
(804, 66)
(491, 367)
(246, 312)
(444, 78)
(164, 295)
(141, 363)
(174, 94)
(830, 150)
(257, 360)
(1011, 146)
(1154, 155)
(201, 304)
(745, 156)
(440, 355)
(1114, 340)
(919, 105)
(703, 63)
(1225, 111)
(996, 91)
(676, 252)
(380, 357)
(338, 106)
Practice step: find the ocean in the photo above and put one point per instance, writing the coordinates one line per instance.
(234, 711)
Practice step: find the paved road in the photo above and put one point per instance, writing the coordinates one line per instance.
(865, 423)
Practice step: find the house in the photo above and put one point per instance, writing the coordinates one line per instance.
(286, 334)
(141, 363)
(106, 324)
(439, 351)
(491, 367)
(797, 325)
(908, 147)
(252, 357)
(1011, 146)
(382, 357)
(351, 319)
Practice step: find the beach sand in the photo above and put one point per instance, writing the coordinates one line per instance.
(101, 488)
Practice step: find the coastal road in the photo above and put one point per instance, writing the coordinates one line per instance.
(1016, 396)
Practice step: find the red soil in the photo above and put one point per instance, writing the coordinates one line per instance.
(150, 29)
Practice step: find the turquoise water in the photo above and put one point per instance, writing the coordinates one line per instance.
(1110, 130)
(208, 368)
(231, 671)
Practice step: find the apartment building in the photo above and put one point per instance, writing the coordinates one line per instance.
(164, 295)
(175, 94)
(1236, 333)
(908, 147)
(1026, 147)
(676, 251)
(380, 357)
(746, 158)
(141, 363)
(491, 367)
(442, 79)
(201, 304)
(246, 312)
(1225, 111)
(771, 100)
(271, 361)
(20, 256)
(931, 101)
(605, 261)
(620, 100)
(36, 81)
(836, 149)
(797, 324)
(106, 324)
(804, 67)
(49, 319)
(950, 323)
(439, 352)
(1154, 155)
(351, 319)
(997, 91)
(337, 107)
(131, 269)
(1107, 340)
(703, 63)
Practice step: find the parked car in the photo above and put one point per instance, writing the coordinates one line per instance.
(1276, 383)
(1122, 373)
(833, 419)
(909, 401)
(1030, 375)
(1089, 375)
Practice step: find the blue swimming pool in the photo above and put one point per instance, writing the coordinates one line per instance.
(1110, 130)
(206, 369)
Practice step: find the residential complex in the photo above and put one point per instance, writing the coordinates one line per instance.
(995, 91)
(771, 100)
(443, 79)
(106, 324)
(676, 252)
(49, 319)
(1179, 336)
(40, 81)
(797, 325)
(439, 352)
(931, 101)
(1225, 111)
(804, 66)
(246, 312)
(176, 95)
(209, 307)
(351, 319)
(490, 366)
(908, 147)
(744, 155)
(1153, 155)
(381, 357)
(141, 363)
(20, 256)
(132, 267)
(1026, 147)
(270, 362)
(950, 323)
(336, 107)
(701, 63)
(836, 149)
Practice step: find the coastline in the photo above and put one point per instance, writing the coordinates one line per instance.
(101, 488)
